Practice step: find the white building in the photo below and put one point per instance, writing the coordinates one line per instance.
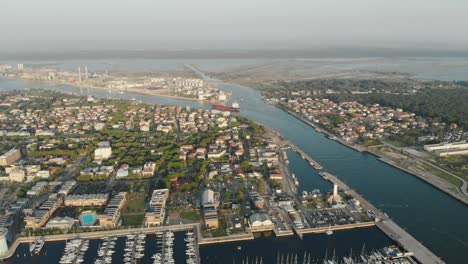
(103, 152)
(447, 149)
(208, 198)
(17, 175)
(62, 223)
(43, 174)
(260, 220)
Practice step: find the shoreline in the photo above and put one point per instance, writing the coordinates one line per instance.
(135, 91)
(431, 180)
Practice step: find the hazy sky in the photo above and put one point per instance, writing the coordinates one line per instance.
(251, 24)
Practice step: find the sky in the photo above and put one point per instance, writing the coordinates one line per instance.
(45, 25)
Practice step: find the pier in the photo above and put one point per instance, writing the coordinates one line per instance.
(304, 155)
(405, 240)
(324, 229)
(390, 228)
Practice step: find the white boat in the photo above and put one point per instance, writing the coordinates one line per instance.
(32, 246)
(329, 231)
(40, 243)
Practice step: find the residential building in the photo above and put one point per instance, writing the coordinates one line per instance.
(10, 157)
(157, 208)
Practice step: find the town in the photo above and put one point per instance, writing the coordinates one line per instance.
(83, 164)
(178, 84)
(426, 147)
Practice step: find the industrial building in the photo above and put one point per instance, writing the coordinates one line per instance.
(448, 149)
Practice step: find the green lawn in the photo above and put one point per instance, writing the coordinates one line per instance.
(135, 203)
(133, 213)
(190, 215)
(448, 178)
(133, 220)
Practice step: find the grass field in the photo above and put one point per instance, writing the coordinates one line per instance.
(190, 215)
(134, 211)
(133, 220)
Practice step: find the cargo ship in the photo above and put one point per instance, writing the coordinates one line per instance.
(234, 108)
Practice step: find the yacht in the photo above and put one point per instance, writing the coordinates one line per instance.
(32, 246)
(40, 243)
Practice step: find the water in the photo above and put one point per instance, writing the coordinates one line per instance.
(52, 251)
(317, 245)
(308, 178)
(431, 216)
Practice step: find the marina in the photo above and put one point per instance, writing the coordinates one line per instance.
(74, 251)
(106, 250)
(165, 250)
(134, 248)
(374, 175)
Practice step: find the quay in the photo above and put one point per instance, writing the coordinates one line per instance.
(304, 155)
(316, 230)
(233, 238)
(405, 240)
(390, 228)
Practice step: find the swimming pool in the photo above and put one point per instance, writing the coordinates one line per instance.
(88, 218)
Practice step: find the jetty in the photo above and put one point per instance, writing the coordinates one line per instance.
(390, 228)
(304, 155)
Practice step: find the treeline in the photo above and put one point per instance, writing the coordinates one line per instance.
(448, 105)
(364, 85)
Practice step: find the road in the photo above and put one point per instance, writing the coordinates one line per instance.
(70, 169)
(464, 186)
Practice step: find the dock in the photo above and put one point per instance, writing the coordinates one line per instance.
(97, 235)
(225, 239)
(390, 228)
(304, 155)
(316, 230)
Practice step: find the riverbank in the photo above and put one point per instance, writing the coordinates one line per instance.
(429, 179)
(128, 90)
(321, 130)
